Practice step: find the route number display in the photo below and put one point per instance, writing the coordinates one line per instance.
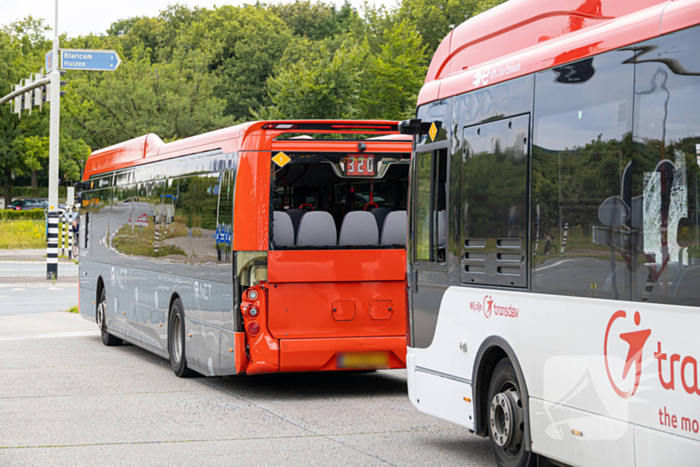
(360, 166)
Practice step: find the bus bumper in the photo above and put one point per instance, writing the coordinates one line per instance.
(328, 354)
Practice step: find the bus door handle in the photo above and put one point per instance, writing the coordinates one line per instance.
(415, 281)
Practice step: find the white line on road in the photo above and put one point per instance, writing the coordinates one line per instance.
(17, 288)
(557, 264)
(49, 336)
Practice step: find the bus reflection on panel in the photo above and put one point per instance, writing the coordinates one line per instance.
(555, 216)
(264, 247)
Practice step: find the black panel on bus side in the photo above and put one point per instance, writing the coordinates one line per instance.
(581, 145)
(494, 200)
(493, 103)
(665, 181)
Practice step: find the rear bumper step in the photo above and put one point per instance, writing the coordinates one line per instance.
(322, 354)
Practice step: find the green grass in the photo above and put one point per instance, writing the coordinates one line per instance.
(26, 234)
(73, 309)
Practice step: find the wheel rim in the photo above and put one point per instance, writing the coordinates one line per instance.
(177, 338)
(100, 315)
(506, 420)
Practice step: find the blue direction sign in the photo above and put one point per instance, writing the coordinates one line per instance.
(86, 59)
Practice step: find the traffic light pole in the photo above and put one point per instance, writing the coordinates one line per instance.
(54, 137)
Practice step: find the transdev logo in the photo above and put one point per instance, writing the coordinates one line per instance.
(488, 307)
(636, 340)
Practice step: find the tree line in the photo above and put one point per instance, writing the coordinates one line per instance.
(191, 70)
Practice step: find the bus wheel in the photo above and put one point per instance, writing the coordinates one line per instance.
(176, 340)
(507, 418)
(100, 318)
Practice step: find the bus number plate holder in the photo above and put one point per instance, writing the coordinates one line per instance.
(362, 360)
(360, 165)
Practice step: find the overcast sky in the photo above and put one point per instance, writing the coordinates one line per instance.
(81, 17)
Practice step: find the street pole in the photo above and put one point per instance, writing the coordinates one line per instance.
(54, 136)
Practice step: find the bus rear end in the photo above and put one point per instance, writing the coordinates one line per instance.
(334, 296)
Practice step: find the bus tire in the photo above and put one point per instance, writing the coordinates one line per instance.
(506, 418)
(176, 340)
(101, 320)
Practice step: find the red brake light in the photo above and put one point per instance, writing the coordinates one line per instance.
(253, 329)
(253, 312)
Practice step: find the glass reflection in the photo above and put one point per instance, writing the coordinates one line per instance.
(582, 145)
(665, 182)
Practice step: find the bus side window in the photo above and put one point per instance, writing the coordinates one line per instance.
(665, 191)
(431, 203)
(582, 144)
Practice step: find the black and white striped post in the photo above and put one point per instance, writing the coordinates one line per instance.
(156, 243)
(64, 237)
(566, 232)
(52, 246)
(70, 231)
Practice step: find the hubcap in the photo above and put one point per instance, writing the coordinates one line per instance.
(506, 420)
(100, 314)
(177, 338)
(501, 419)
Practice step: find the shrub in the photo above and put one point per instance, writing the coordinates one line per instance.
(34, 214)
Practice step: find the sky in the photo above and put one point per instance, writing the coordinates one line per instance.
(82, 17)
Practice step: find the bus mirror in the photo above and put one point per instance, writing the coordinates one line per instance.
(414, 126)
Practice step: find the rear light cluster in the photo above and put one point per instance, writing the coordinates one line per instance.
(252, 312)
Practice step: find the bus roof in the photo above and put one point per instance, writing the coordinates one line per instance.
(247, 136)
(520, 37)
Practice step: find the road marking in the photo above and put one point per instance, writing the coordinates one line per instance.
(557, 264)
(17, 288)
(50, 336)
(5, 296)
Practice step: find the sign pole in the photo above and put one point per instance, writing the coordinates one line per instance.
(54, 136)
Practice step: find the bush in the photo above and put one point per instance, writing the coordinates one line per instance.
(27, 192)
(34, 214)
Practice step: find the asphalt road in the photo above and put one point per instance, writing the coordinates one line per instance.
(68, 400)
(17, 299)
(35, 269)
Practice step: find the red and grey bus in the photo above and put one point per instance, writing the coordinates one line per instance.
(264, 247)
(554, 217)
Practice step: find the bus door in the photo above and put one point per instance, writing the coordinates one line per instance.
(429, 275)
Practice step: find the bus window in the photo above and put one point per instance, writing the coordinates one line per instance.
(423, 208)
(320, 183)
(665, 218)
(494, 200)
(582, 143)
(431, 206)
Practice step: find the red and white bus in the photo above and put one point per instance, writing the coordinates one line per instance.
(264, 247)
(554, 217)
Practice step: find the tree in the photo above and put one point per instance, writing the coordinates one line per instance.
(325, 86)
(22, 44)
(316, 21)
(173, 99)
(245, 43)
(395, 74)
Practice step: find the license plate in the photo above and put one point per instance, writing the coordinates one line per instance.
(363, 360)
(360, 165)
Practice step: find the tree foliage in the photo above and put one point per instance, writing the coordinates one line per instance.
(191, 70)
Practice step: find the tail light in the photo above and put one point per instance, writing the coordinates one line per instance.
(253, 312)
(253, 329)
